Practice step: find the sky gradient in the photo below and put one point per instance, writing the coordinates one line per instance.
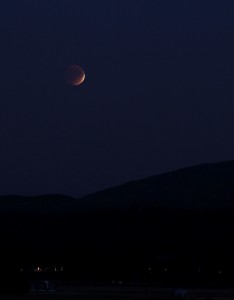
(158, 94)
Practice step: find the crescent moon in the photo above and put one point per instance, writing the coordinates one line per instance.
(75, 75)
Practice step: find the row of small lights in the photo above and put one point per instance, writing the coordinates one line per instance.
(61, 269)
(199, 270)
(39, 269)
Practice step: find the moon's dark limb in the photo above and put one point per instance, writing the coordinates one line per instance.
(75, 75)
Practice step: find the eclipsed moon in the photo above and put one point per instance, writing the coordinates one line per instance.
(75, 75)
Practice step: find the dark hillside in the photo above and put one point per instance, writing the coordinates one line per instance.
(183, 219)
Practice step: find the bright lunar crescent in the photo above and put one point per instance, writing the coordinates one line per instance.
(75, 75)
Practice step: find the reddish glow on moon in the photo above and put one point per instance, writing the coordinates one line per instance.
(75, 75)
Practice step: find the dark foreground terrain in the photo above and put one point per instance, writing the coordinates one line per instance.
(124, 293)
(171, 230)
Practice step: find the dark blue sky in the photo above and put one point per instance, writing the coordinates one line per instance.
(158, 95)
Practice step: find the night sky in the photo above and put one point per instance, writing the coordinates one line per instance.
(158, 94)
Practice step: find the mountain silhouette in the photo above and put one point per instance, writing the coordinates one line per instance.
(184, 213)
(204, 186)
